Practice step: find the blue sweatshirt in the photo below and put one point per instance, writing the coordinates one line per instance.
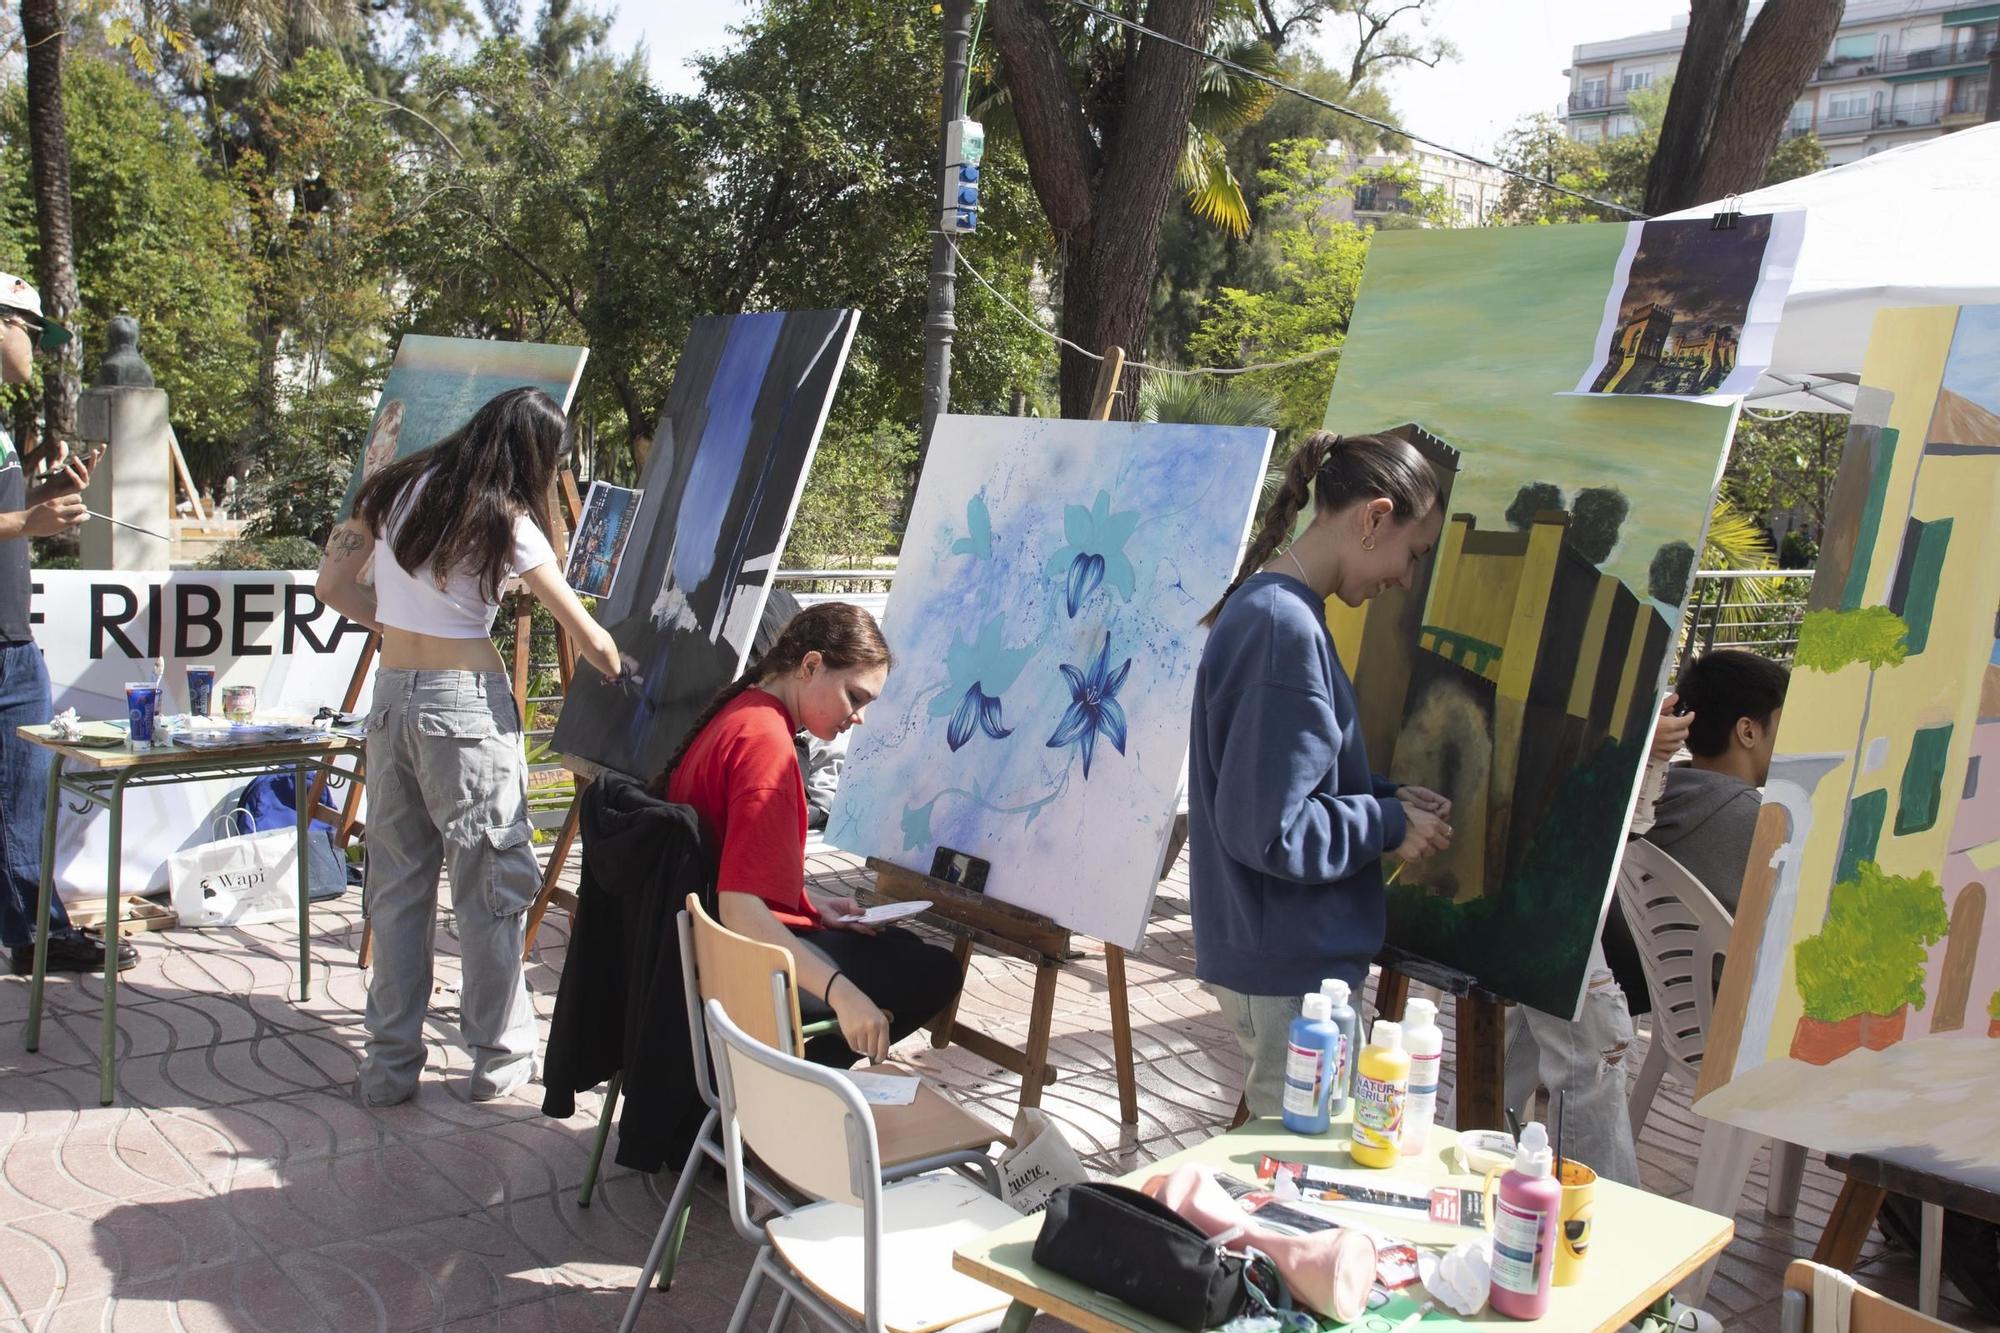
(1286, 826)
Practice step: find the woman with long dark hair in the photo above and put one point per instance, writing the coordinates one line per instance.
(739, 769)
(447, 775)
(1287, 826)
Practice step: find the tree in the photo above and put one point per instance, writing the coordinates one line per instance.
(44, 33)
(1102, 158)
(1534, 498)
(1378, 39)
(1596, 517)
(1667, 577)
(1732, 95)
(1787, 468)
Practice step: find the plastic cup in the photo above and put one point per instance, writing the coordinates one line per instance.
(239, 702)
(142, 710)
(201, 689)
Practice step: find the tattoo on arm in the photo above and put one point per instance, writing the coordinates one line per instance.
(347, 542)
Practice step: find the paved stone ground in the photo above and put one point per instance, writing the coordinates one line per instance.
(238, 1185)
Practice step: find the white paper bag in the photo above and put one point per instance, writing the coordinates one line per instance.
(1040, 1162)
(240, 879)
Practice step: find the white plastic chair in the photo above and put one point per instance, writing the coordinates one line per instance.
(870, 1255)
(1682, 934)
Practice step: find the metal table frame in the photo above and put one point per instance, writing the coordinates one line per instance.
(103, 778)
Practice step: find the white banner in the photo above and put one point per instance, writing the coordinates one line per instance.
(99, 629)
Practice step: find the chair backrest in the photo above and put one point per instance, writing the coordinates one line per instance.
(1813, 1294)
(1681, 932)
(740, 972)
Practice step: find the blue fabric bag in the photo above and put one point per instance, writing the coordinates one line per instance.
(272, 804)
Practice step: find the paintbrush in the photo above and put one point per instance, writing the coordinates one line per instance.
(123, 524)
(1393, 873)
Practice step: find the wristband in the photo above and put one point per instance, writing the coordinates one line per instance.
(827, 995)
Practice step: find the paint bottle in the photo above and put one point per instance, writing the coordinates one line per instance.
(1308, 1061)
(1425, 1043)
(1340, 1084)
(1524, 1229)
(1381, 1085)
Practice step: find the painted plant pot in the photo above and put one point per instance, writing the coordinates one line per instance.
(1879, 1033)
(1993, 1027)
(1818, 1042)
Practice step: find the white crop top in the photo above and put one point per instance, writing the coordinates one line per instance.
(458, 610)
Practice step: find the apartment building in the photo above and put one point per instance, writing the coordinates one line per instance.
(1469, 190)
(1897, 71)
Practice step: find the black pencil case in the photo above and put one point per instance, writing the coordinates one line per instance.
(1124, 1244)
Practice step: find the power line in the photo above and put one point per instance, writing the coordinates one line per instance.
(1361, 116)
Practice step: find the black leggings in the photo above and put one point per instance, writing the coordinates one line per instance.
(911, 980)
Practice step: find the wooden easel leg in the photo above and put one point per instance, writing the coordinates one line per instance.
(961, 953)
(1480, 1097)
(1121, 1034)
(367, 944)
(1040, 1018)
(552, 873)
(1392, 992)
(1848, 1225)
(524, 633)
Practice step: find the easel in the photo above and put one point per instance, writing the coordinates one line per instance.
(1479, 1095)
(568, 511)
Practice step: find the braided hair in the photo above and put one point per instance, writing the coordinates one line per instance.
(843, 634)
(1335, 471)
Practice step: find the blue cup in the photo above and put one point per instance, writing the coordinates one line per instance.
(201, 689)
(142, 709)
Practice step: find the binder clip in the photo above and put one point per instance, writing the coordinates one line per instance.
(1726, 216)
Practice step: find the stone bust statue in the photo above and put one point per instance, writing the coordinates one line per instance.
(122, 366)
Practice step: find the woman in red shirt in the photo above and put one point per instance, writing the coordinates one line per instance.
(739, 770)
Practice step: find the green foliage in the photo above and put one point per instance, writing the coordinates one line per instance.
(852, 510)
(1311, 298)
(1787, 466)
(1668, 576)
(1207, 401)
(1831, 639)
(1596, 516)
(269, 553)
(1993, 1007)
(1799, 155)
(1534, 498)
(1869, 956)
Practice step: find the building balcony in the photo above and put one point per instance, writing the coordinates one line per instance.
(1589, 103)
(1948, 56)
(1916, 116)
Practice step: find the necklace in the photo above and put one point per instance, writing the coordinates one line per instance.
(1301, 568)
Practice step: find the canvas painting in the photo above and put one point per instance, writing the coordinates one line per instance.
(1694, 309)
(1860, 1006)
(727, 466)
(1521, 673)
(1044, 622)
(436, 384)
(599, 541)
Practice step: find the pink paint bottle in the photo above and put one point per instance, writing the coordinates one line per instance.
(1524, 1229)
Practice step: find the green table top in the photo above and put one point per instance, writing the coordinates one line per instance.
(1641, 1244)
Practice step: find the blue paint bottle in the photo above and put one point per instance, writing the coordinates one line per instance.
(1309, 1066)
(1341, 1082)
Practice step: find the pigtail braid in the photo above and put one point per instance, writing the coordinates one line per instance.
(1294, 493)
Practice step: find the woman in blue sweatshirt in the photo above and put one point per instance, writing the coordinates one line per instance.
(1286, 824)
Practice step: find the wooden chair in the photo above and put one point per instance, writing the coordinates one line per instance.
(866, 1254)
(756, 981)
(1681, 931)
(1811, 1288)
(1869, 1180)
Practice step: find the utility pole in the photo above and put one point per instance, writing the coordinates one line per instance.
(939, 326)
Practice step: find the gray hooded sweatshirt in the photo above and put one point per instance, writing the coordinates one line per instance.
(1706, 821)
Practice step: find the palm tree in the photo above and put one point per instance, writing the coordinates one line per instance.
(43, 32)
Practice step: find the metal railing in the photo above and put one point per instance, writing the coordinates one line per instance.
(1599, 99)
(1721, 612)
(1944, 56)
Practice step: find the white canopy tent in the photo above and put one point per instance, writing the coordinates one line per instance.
(1917, 225)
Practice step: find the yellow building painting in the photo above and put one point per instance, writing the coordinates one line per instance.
(1865, 956)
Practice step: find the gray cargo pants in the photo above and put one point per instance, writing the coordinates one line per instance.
(447, 786)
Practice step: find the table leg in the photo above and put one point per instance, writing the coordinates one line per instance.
(305, 810)
(114, 877)
(1848, 1225)
(1019, 1315)
(43, 895)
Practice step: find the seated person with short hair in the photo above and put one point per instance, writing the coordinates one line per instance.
(1708, 815)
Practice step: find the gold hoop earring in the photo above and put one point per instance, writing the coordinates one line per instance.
(1368, 542)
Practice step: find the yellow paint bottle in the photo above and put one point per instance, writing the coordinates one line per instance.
(1381, 1087)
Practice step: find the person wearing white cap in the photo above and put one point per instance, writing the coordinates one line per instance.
(51, 505)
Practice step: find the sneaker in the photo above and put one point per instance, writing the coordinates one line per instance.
(82, 950)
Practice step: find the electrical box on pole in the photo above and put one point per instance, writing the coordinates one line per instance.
(964, 146)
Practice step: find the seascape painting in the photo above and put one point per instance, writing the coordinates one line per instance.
(1860, 1006)
(436, 384)
(1520, 675)
(599, 541)
(722, 480)
(1044, 620)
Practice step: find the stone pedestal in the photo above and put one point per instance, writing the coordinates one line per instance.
(133, 481)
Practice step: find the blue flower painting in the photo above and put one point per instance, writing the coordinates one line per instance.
(1044, 625)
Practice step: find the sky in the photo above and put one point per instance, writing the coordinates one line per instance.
(1511, 62)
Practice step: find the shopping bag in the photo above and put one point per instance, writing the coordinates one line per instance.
(1040, 1162)
(239, 879)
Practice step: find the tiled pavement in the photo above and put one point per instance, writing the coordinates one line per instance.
(238, 1185)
